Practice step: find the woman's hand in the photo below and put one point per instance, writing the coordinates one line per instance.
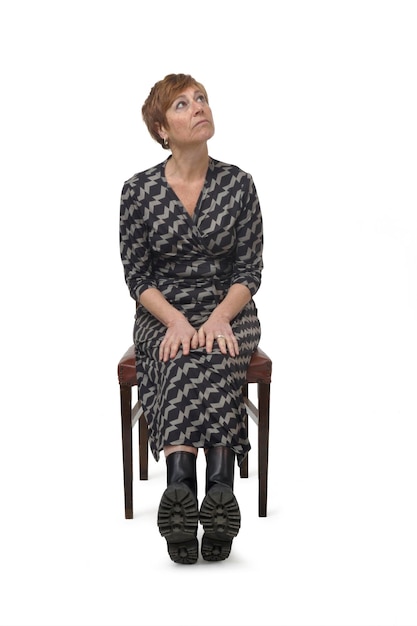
(217, 328)
(179, 333)
(220, 332)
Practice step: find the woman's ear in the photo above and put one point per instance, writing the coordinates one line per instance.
(161, 131)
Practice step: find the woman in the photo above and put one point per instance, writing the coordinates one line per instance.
(191, 245)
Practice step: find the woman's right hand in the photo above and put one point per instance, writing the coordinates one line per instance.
(179, 333)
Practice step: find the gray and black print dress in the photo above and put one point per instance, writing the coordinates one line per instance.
(193, 400)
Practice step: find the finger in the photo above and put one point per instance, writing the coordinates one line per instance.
(174, 350)
(186, 347)
(161, 350)
(233, 346)
(201, 338)
(227, 344)
(222, 343)
(194, 341)
(166, 351)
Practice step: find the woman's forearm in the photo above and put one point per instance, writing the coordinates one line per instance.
(236, 299)
(154, 302)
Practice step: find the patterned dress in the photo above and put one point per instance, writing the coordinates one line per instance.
(197, 399)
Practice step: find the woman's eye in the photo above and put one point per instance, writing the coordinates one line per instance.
(201, 98)
(181, 104)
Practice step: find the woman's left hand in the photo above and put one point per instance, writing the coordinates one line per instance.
(213, 332)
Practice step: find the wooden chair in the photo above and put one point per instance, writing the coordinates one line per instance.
(259, 372)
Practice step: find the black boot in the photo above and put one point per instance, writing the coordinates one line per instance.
(178, 509)
(219, 514)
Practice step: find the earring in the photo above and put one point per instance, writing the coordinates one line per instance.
(166, 143)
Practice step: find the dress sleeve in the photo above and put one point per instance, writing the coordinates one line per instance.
(249, 247)
(134, 245)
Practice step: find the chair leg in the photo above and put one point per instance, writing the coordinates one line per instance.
(143, 448)
(244, 466)
(263, 445)
(126, 414)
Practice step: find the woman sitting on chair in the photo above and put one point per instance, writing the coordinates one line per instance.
(191, 245)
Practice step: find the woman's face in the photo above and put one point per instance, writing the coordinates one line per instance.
(189, 119)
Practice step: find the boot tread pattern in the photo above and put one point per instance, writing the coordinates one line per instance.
(178, 521)
(220, 517)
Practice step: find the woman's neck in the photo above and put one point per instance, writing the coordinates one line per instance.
(187, 166)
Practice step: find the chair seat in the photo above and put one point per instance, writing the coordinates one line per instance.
(126, 369)
(259, 370)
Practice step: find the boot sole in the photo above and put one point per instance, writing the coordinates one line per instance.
(178, 522)
(220, 517)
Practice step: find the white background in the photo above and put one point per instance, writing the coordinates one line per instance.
(318, 101)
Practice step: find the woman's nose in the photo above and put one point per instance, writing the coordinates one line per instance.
(198, 107)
